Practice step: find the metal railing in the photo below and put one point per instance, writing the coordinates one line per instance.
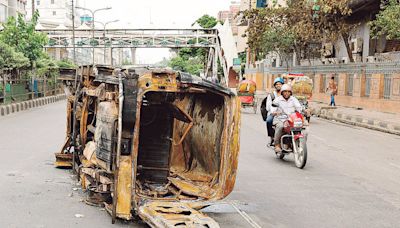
(19, 90)
(350, 83)
(368, 85)
(349, 68)
(387, 85)
(324, 84)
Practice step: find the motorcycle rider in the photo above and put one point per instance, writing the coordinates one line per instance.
(278, 82)
(287, 104)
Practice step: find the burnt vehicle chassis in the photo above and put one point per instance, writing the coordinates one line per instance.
(151, 142)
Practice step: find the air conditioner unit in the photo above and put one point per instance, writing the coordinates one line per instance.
(327, 50)
(356, 45)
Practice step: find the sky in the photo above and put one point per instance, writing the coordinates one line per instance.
(154, 14)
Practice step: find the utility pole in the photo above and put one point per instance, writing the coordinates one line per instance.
(73, 30)
(33, 7)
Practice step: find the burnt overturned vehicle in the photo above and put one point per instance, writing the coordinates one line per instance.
(152, 143)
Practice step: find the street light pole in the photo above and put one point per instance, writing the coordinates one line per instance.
(93, 12)
(73, 31)
(104, 36)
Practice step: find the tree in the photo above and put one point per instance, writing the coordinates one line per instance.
(193, 60)
(387, 22)
(11, 59)
(308, 25)
(279, 40)
(22, 36)
(207, 21)
(65, 63)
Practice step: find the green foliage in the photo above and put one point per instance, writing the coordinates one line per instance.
(301, 25)
(45, 66)
(278, 39)
(193, 60)
(387, 22)
(193, 65)
(65, 63)
(207, 21)
(11, 59)
(22, 36)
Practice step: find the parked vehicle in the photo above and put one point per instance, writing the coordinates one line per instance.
(294, 139)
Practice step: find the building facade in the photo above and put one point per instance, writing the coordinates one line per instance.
(231, 15)
(11, 8)
(55, 12)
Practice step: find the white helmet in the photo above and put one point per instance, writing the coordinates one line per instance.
(286, 87)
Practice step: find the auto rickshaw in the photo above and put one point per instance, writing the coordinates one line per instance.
(246, 92)
(151, 143)
(302, 87)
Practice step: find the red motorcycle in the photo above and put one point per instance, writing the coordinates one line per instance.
(294, 140)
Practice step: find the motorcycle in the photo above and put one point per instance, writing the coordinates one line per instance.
(294, 139)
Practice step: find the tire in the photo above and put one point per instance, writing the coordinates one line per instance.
(308, 119)
(300, 158)
(280, 156)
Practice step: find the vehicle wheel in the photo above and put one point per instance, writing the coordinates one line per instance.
(280, 156)
(300, 158)
(308, 119)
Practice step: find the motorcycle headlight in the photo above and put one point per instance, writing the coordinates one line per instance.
(298, 123)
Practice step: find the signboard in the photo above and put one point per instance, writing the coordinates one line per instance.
(261, 3)
(237, 61)
(86, 18)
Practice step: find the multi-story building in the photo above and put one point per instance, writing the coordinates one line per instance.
(11, 8)
(54, 12)
(231, 16)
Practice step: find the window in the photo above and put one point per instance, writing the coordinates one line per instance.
(38, 2)
(3, 13)
(52, 1)
(54, 13)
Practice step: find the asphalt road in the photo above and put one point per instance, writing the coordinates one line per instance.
(352, 178)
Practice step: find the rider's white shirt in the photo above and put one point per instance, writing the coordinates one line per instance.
(271, 109)
(288, 106)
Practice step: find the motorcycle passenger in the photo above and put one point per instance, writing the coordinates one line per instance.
(287, 104)
(278, 82)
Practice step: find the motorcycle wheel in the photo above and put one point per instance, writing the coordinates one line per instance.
(300, 158)
(280, 156)
(308, 119)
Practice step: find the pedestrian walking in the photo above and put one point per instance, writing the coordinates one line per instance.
(332, 90)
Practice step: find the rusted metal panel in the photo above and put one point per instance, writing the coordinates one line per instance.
(174, 214)
(179, 143)
(124, 188)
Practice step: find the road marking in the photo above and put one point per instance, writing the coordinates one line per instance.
(245, 216)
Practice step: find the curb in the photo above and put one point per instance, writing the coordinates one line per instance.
(359, 121)
(25, 105)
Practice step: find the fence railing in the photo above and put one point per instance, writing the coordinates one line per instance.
(368, 68)
(350, 82)
(387, 86)
(368, 85)
(18, 90)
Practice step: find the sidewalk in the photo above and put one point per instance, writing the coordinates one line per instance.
(25, 105)
(385, 122)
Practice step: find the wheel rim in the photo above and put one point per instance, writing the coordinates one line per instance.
(299, 156)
